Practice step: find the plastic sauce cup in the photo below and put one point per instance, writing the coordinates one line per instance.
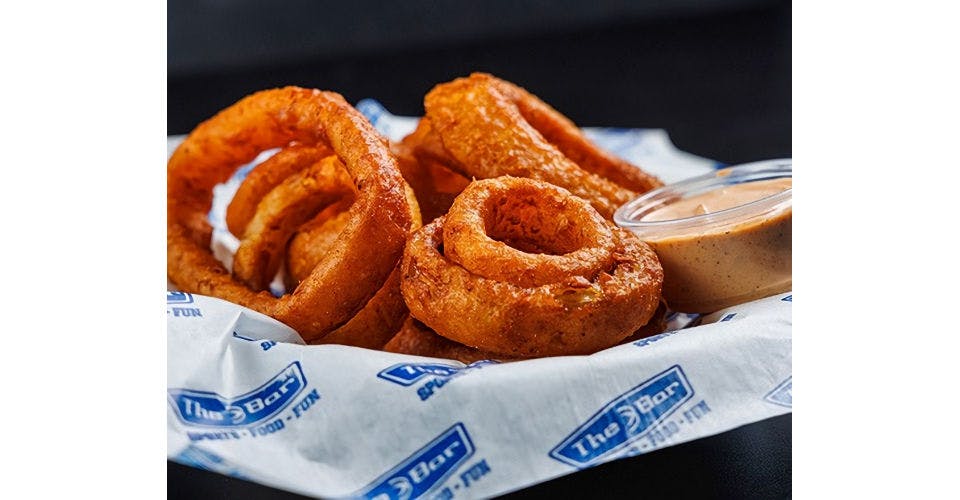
(723, 238)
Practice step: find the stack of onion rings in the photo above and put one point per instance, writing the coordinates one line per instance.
(511, 267)
(280, 213)
(521, 268)
(267, 176)
(364, 253)
(280, 217)
(428, 169)
(489, 127)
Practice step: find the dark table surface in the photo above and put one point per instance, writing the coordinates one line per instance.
(715, 74)
(753, 461)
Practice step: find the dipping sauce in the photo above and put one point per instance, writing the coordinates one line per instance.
(720, 199)
(722, 240)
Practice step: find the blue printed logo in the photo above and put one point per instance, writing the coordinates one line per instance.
(211, 409)
(407, 374)
(427, 467)
(782, 394)
(625, 419)
(649, 340)
(439, 375)
(179, 298)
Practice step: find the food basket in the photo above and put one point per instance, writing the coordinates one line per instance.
(247, 398)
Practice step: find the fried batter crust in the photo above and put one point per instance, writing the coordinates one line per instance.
(266, 176)
(491, 128)
(281, 211)
(361, 258)
(575, 315)
(417, 339)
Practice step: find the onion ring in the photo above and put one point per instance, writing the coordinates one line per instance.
(425, 143)
(656, 325)
(589, 309)
(417, 339)
(527, 233)
(423, 165)
(558, 130)
(313, 240)
(361, 258)
(493, 128)
(377, 322)
(266, 176)
(289, 205)
(383, 314)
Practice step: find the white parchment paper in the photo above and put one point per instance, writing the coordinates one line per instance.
(247, 398)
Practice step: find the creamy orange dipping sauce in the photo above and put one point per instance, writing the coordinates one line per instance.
(720, 199)
(716, 264)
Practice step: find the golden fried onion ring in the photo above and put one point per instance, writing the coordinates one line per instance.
(528, 233)
(377, 322)
(417, 339)
(313, 240)
(382, 315)
(424, 166)
(266, 176)
(491, 128)
(522, 310)
(363, 255)
(280, 213)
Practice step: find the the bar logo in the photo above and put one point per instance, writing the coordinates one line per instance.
(625, 419)
(424, 469)
(213, 410)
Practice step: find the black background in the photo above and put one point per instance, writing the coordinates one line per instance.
(716, 74)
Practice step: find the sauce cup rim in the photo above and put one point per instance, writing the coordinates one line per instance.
(628, 216)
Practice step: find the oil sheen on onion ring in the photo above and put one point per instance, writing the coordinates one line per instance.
(493, 128)
(424, 166)
(380, 317)
(383, 314)
(377, 322)
(425, 143)
(417, 339)
(266, 176)
(313, 240)
(501, 287)
(365, 252)
(284, 209)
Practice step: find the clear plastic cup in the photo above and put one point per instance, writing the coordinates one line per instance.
(720, 258)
